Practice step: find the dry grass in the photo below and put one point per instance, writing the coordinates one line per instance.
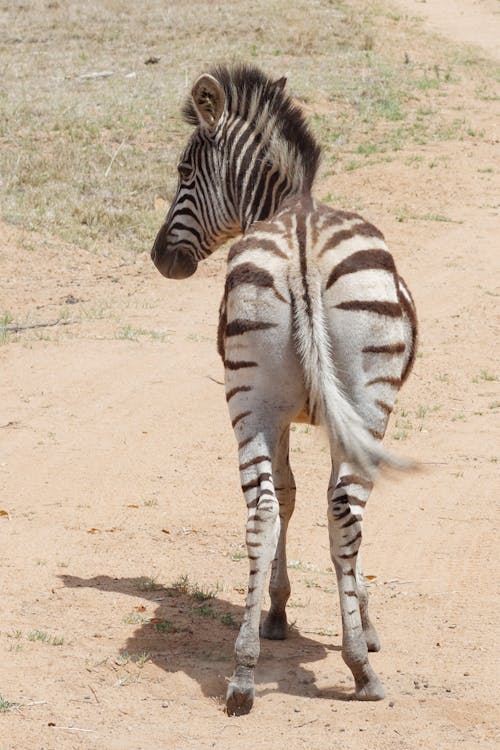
(91, 160)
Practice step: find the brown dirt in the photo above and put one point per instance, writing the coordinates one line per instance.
(118, 466)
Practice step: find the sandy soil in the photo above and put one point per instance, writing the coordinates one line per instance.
(119, 477)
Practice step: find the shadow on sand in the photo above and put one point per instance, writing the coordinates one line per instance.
(194, 634)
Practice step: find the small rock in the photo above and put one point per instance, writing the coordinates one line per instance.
(391, 704)
(71, 299)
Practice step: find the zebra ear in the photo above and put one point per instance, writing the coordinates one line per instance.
(280, 83)
(208, 99)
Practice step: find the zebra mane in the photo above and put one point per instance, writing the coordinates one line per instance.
(254, 97)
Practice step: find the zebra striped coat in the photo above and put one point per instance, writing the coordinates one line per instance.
(315, 325)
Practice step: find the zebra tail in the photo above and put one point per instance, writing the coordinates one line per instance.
(346, 429)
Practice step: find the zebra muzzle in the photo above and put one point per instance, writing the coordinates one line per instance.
(172, 262)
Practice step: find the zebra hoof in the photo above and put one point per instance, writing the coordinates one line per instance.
(239, 701)
(373, 690)
(274, 627)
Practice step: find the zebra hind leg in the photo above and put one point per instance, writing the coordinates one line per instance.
(262, 533)
(275, 626)
(346, 502)
(369, 631)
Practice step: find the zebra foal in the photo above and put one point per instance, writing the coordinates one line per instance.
(315, 325)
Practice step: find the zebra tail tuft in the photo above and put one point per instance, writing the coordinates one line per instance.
(346, 430)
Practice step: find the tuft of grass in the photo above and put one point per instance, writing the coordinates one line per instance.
(203, 593)
(140, 658)
(180, 586)
(6, 705)
(148, 583)
(42, 637)
(486, 376)
(165, 626)
(5, 320)
(200, 593)
(238, 556)
(135, 618)
(130, 333)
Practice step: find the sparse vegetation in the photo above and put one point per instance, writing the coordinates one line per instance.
(6, 705)
(42, 637)
(91, 157)
(140, 658)
(484, 375)
(148, 583)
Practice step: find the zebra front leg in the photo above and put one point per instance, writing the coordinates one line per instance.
(346, 502)
(275, 626)
(262, 534)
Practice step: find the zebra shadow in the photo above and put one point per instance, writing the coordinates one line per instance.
(194, 634)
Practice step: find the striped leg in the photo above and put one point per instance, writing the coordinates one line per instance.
(262, 532)
(275, 626)
(347, 498)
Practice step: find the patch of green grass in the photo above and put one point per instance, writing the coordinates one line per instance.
(42, 637)
(484, 375)
(6, 705)
(432, 217)
(148, 583)
(130, 333)
(165, 626)
(5, 320)
(135, 618)
(203, 593)
(238, 556)
(228, 619)
(180, 586)
(200, 593)
(140, 658)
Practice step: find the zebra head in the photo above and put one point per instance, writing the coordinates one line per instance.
(251, 150)
(201, 216)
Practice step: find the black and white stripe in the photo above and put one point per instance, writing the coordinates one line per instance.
(315, 325)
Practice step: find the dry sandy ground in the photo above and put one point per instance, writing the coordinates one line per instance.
(119, 477)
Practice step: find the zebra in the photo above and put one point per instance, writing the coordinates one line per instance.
(315, 325)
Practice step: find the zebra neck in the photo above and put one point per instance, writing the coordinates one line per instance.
(265, 189)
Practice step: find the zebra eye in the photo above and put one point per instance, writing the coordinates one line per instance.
(185, 171)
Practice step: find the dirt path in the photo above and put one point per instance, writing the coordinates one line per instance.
(474, 22)
(118, 471)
